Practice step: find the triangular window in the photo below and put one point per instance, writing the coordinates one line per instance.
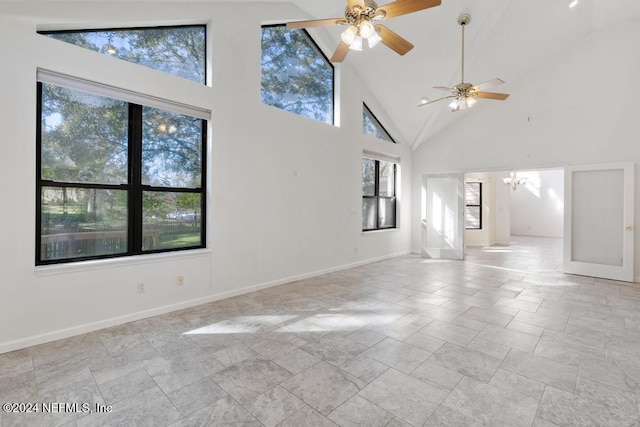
(372, 126)
(176, 50)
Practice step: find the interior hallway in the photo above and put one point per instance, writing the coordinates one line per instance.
(501, 339)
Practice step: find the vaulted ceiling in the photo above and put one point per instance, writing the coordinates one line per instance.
(505, 39)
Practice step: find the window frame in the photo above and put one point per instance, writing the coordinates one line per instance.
(314, 45)
(478, 206)
(137, 28)
(134, 188)
(365, 110)
(377, 197)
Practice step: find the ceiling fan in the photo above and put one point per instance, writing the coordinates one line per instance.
(464, 94)
(362, 16)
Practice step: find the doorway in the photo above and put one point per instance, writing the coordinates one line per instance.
(502, 204)
(442, 209)
(590, 208)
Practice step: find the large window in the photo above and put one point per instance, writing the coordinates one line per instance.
(116, 178)
(177, 50)
(372, 126)
(378, 194)
(296, 76)
(473, 205)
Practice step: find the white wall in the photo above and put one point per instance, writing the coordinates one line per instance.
(502, 210)
(284, 192)
(537, 209)
(555, 116)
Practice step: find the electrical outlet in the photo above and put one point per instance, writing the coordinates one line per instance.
(180, 280)
(141, 288)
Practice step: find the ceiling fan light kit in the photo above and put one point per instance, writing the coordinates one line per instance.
(462, 103)
(356, 44)
(363, 20)
(464, 95)
(374, 39)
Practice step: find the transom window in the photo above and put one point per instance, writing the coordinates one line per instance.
(296, 75)
(176, 50)
(371, 125)
(378, 194)
(473, 205)
(116, 178)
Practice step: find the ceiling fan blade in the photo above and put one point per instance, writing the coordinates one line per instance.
(492, 95)
(360, 3)
(488, 84)
(444, 88)
(340, 53)
(403, 7)
(435, 100)
(296, 25)
(393, 41)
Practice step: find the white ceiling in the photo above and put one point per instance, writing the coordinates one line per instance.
(505, 39)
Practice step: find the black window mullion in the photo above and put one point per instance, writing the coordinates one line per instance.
(203, 187)
(395, 195)
(135, 179)
(195, 190)
(395, 179)
(377, 193)
(38, 233)
(62, 184)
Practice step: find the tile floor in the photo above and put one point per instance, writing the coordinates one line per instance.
(501, 339)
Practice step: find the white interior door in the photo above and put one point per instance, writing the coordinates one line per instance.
(443, 216)
(598, 221)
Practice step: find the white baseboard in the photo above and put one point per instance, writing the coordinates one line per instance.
(21, 343)
(330, 270)
(548, 236)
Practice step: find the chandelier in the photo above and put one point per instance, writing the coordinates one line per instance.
(514, 181)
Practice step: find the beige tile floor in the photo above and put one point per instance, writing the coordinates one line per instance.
(501, 339)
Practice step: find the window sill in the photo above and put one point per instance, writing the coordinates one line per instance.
(384, 230)
(51, 270)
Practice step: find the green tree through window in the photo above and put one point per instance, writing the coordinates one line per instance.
(179, 51)
(119, 178)
(371, 125)
(296, 76)
(116, 178)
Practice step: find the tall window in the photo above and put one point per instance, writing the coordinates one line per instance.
(296, 75)
(116, 178)
(378, 194)
(473, 205)
(372, 126)
(177, 50)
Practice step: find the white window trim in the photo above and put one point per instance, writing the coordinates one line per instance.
(374, 155)
(71, 82)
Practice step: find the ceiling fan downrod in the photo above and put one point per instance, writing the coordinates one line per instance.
(463, 21)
